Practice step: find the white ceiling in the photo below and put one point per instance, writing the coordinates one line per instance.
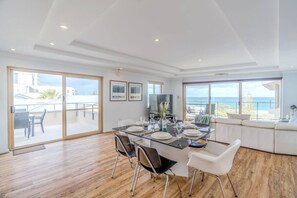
(197, 37)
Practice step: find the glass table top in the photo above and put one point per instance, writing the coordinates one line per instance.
(179, 141)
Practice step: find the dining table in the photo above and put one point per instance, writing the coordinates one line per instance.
(176, 148)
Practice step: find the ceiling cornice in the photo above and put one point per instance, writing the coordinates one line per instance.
(59, 63)
(97, 60)
(230, 71)
(219, 67)
(99, 49)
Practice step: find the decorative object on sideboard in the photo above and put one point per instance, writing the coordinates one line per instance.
(293, 111)
(118, 90)
(162, 112)
(293, 114)
(135, 91)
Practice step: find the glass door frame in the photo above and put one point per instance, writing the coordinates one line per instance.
(10, 104)
(184, 84)
(184, 94)
(100, 105)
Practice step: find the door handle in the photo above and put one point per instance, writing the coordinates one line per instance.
(12, 109)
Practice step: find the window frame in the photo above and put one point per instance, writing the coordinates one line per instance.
(209, 83)
(154, 89)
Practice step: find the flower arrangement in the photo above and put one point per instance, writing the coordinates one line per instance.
(163, 108)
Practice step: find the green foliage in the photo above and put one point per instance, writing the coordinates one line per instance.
(49, 94)
(248, 106)
(223, 109)
(163, 109)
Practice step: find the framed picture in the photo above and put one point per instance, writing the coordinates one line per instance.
(118, 90)
(135, 91)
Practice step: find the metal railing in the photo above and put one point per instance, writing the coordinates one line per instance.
(221, 108)
(57, 107)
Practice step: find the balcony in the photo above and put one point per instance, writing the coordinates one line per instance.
(81, 118)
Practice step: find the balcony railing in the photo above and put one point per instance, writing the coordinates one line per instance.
(58, 107)
(220, 109)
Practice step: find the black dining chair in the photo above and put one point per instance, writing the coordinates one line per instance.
(40, 120)
(150, 160)
(123, 147)
(21, 121)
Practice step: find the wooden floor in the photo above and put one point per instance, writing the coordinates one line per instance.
(82, 168)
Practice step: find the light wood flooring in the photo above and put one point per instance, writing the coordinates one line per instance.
(82, 168)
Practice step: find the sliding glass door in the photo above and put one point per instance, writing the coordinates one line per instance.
(82, 99)
(37, 107)
(224, 99)
(259, 98)
(50, 106)
(197, 100)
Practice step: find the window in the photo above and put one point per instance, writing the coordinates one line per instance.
(224, 98)
(154, 88)
(259, 98)
(197, 100)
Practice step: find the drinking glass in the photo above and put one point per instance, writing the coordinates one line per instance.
(152, 124)
(174, 120)
(179, 128)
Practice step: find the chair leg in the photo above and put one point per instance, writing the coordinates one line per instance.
(134, 175)
(203, 174)
(29, 131)
(232, 185)
(115, 164)
(135, 182)
(131, 164)
(192, 183)
(221, 186)
(41, 124)
(166, 186)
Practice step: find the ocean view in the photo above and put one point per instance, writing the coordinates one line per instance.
(263, 103)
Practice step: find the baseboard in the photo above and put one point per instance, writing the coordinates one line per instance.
(4, 152)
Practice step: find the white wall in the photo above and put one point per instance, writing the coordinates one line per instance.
(177, 91)
(112, 111)
(3, 111)
(289, 90)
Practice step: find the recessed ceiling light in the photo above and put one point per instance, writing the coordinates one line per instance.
(52, 44)
(64, 27)
(199, 60)
(12, 49)
(157, 40)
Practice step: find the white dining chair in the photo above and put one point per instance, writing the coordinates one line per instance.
(216, 160)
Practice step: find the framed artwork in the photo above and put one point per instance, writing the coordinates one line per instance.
(118, 90)
(135, 91)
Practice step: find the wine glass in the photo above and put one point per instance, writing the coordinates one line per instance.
(179, 128)
(152, 124)
(174, 120)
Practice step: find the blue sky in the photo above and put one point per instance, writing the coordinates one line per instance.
(83, 86)
(253, 88)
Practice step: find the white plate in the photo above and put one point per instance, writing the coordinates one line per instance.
(189, 126)
(134, 129)
(192, 132)
(161, 136)
(139, 123)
